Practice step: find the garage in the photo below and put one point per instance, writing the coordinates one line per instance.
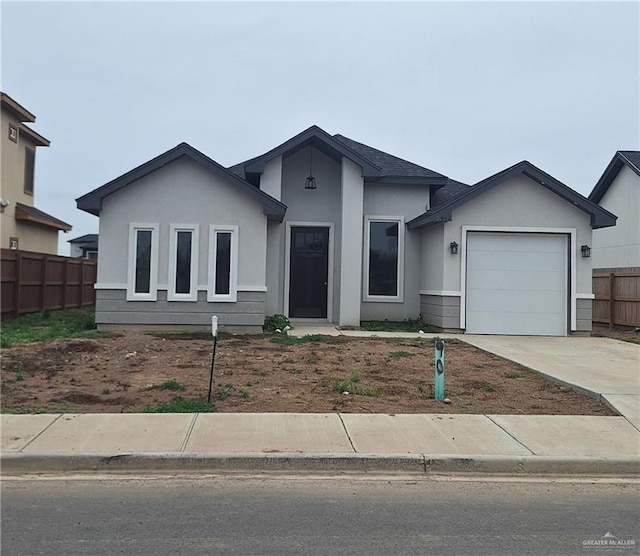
(516, 283)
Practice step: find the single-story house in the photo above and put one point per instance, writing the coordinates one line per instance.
(618, 191)
(325, 229)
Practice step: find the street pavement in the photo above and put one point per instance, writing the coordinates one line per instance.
(420, 443)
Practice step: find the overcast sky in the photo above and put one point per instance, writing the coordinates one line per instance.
(465, 89)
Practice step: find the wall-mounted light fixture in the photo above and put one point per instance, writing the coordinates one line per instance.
(585, 250)
(453, 247)
(310, 182)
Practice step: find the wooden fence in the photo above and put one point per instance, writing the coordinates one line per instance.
(617, 298)
(33, 282)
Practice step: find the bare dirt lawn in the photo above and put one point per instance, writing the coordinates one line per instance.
(254, 374)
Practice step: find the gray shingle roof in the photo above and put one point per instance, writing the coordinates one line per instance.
(390, 165)
(447, 193)
(87, 238)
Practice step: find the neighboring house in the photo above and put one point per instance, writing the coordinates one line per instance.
(23, 225)
(325, 229)
(618, 191)
(84, 247)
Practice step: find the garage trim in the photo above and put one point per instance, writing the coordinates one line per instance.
(571, 232)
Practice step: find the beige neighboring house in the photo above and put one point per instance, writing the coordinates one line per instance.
(24, 226)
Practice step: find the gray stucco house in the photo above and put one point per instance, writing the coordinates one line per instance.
(618, 190)
(325, 229)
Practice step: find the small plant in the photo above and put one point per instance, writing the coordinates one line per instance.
(352, 386)
(293, 341)
(489, 387)
(106, 391)
(19, 377)
(172, 385)
(225, 391)
(426, 391)
(181, 405)
(538, 406)
(402, 354)
(295, 371)
(275, 322)
(513, 375)
(244, 393)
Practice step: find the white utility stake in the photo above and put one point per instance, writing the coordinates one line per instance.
(214, 333)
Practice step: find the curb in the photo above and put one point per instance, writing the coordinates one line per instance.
(330, 463)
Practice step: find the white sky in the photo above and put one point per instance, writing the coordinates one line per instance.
(465, 89)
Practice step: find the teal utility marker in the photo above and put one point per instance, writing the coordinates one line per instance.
(439, 382)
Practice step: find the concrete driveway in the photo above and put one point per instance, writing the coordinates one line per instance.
(599, 366)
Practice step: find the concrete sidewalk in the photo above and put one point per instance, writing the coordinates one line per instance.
(320, 442)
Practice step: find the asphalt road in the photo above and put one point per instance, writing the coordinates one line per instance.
(281, 515)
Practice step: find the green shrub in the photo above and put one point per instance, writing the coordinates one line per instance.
(172, 384)
(275, 322)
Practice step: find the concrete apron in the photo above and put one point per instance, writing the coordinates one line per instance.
(320, 442)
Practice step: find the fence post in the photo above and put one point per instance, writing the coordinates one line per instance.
(65, 278)
(81, 283)
(16, 295)
(43, 279)
(612, 283)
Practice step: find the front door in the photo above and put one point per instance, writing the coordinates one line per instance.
(309, 265)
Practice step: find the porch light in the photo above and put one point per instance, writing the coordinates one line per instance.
(453, 247)
(310, 182)
(585, 250)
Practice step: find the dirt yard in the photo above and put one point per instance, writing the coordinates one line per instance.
(254, 374)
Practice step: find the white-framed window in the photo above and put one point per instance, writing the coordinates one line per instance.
(223, 264)
(183, 262)
(384, 259)
(142, 276)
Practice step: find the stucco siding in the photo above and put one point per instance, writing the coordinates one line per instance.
(395, 199)
(112, 308)
(182, 193)
(619, 246)
(432, 255)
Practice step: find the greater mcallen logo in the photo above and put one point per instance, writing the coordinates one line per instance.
(609, 540)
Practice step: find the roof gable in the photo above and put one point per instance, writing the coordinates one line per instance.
(600, 218)
(376, 165)
(92, 202)
(620, 159)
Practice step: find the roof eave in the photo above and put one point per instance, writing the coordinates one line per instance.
(433, 181)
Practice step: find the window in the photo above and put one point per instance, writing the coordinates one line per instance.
(384, 259)
(183, 263)
(29, 170)
(223, 263)
(13, 133)
(143, 262)
(13, 243)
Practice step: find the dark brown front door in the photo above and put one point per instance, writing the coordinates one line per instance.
(309, 265)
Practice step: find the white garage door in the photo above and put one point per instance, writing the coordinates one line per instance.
(516, 284)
